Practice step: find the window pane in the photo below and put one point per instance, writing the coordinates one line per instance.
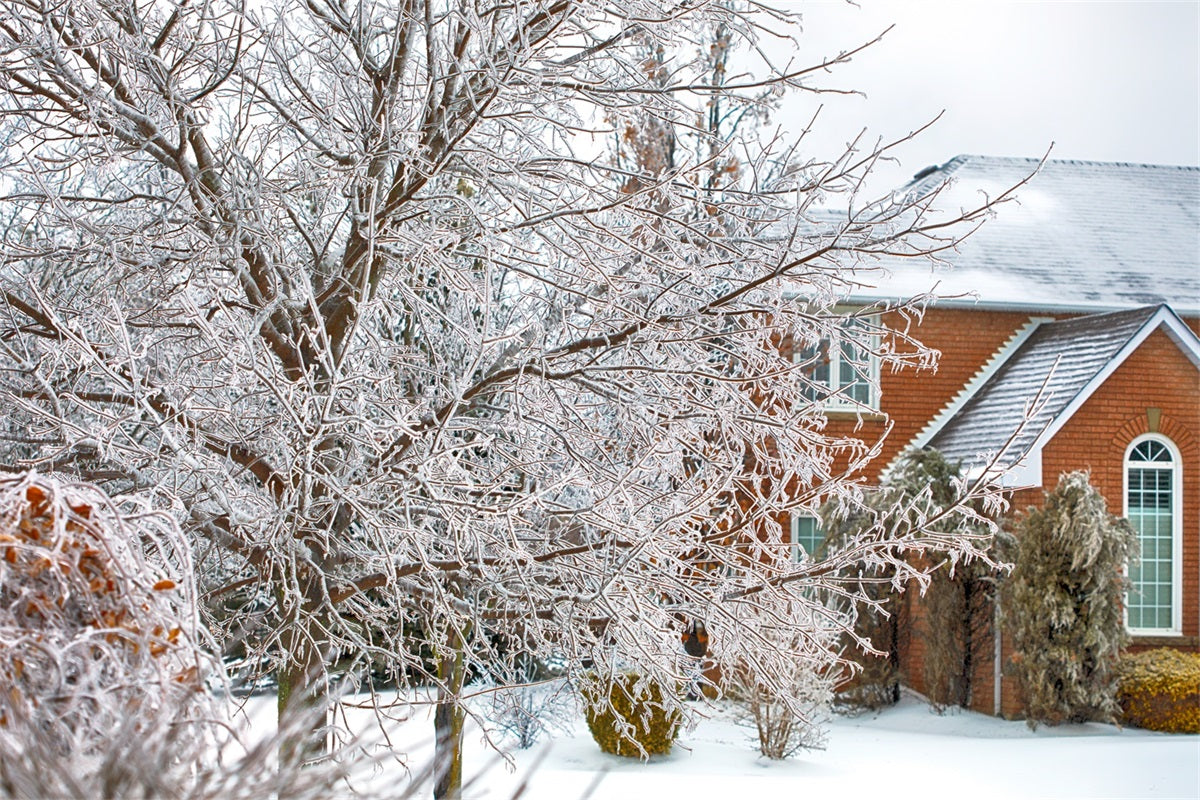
(840, 373)
(806, 537)
(1150, 503)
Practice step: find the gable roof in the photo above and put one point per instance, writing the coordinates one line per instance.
(1081, 236)
(1046, 378)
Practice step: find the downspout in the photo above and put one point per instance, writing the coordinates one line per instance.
(996, 650)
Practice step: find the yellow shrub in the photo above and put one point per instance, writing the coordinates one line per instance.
(1160, 690)
(630, 716)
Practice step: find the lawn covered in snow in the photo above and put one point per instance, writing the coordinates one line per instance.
(902, 752)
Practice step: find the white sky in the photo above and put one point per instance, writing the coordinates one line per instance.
(1105, 81)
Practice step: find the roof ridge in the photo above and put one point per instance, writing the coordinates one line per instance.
(1137, 312)
(1076, 162)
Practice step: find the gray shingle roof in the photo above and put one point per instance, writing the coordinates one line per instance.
(1081, 347)
(1087, 236)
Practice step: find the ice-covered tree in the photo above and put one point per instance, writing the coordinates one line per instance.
(351, 289)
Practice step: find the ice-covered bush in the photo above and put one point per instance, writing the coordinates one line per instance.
(1160, 690)
(1062, 604)
(97, 615)
(628, 716)
(526, 713)
(787, 701)
(104, 682)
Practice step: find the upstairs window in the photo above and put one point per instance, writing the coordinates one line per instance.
(844, 374)
(1152, 506)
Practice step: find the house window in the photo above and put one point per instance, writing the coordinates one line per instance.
(806, 536)
(844, 374)
(1152, 506)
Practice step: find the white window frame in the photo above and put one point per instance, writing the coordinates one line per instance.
(794, 533)
(839, 400)
(1176, 628)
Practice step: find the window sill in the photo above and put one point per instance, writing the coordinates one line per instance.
(1164, 639)
(840, 413)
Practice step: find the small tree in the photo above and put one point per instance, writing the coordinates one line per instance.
(960, 595)
(959, 592)
(875, 679)
(1063, 604)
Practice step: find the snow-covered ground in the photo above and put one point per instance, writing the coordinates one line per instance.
(902, 752)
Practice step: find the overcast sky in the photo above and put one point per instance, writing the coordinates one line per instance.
(1106, 81)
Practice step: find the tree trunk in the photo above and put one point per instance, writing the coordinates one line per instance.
(302, 692)
(448, 720)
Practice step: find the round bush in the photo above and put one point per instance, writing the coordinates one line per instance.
(1160, 690)
(628, 717)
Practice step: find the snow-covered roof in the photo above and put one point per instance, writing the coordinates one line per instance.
(1051, 373)
(1081, 236)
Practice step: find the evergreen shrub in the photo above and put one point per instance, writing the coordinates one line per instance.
(1063, 604)
(919, 488)
(1160, 690)
(628, 716)
(875, 682)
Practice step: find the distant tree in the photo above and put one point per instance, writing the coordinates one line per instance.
(348, 288)
(1063, 604)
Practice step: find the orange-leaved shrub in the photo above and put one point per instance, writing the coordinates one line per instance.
(97, 623)
(1160, 690)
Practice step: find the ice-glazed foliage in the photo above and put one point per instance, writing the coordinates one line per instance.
(352, 289)
(630, 715)
(1063, 604)
(97, 617)
(960, 598)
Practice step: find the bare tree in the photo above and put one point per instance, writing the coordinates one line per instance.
(350, 290)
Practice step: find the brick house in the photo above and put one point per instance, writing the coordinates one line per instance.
(1087, 289)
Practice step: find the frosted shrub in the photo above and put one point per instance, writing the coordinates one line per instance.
(788, 710)
(103, 679)
(526, 713)
(1160, 690)
(97, 616)
(630, 715)
(1063, 604)
(175, 754)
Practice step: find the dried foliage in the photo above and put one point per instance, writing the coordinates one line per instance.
(349, 290)
(630, 715)
(1063, 604)
(98, 624)
(1160, 690)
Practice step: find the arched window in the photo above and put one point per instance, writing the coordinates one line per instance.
(1152, 506)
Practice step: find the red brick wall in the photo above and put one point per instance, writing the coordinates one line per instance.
(1157, 376)
(912, 397)
(966, 340)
